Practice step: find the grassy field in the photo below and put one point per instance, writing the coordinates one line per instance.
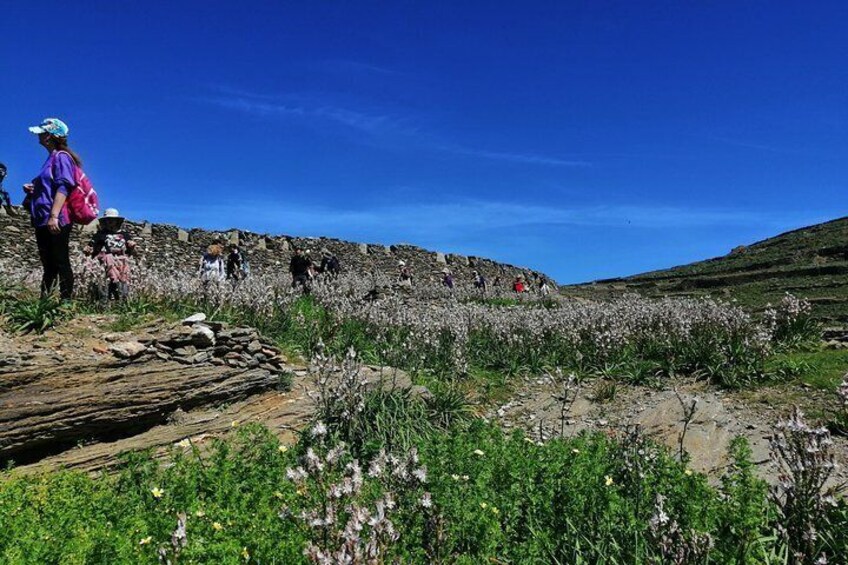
(811, 263)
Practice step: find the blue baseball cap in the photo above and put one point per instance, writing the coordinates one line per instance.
(53, 126)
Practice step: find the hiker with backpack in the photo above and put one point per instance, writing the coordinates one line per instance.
(329, 263)
(404, 275)
(300, 267)
(212, 268)
(112, 247)
(447, 279)
(236, 264)
(479, 282)
(58, 197)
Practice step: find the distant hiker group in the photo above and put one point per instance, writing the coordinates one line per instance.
(61, 195)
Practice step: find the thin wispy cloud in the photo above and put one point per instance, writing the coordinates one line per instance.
(515, 157)
(414, 221)
(349, 66)
(370, 123)
(751, 145)
(399, 129)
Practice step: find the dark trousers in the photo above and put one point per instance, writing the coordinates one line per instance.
(55, 259)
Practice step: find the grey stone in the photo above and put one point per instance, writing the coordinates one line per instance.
(127, 349)
(440, 258)
(202, 336)
(201, 357)
(187, 351)
(254, 346)
(194, 318)
(182, 235)
(363, 248)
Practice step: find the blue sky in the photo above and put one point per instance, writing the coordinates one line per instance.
(585, 139)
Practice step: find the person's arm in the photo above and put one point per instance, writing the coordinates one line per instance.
(95, 246)
(130, 243)
(64, 175)
(58, 203)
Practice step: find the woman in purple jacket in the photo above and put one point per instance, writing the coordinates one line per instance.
(45, 200)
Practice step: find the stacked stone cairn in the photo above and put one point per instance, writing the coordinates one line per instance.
(196, 341)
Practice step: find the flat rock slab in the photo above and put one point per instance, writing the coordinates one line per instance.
(284, 413)
(52, 404)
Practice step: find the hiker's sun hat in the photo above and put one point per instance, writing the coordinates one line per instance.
(112, 213)
(53, 126)
(401, 263)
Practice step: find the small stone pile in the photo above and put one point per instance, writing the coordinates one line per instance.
(835, 338)
(197, 341)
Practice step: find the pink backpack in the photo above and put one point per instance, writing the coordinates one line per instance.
(82, 204)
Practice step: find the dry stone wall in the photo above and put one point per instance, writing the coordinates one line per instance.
(178, 249)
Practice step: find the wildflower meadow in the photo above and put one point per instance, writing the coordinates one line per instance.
(384, 476)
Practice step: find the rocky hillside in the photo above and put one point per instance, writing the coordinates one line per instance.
(811, 262)
(174, 249)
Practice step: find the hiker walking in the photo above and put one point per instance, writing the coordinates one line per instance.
(299, 267)
(212, 265)
(447, 279)
(479, 282)
(404, 275)
(518, 284)
(5, 199)
(112, 247)
(236, 263)
(329, 263)
(544, 289)
(45, 200)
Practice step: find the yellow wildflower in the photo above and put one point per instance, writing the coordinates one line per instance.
(200, 513)
(483, 505)
(157, 492)
(234, 424)
(479, 452)
(575, 451)
(495, 510)
(282, 448)
(608, 480)
(145, 541)
(278, 494)
(688, 472)
(217, 526)
(245, 553)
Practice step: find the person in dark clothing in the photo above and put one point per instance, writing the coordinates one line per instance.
(112, 247)
(299, 268)
(5, 199)
(447, 279)
(329, 263)
(45, 200)
(480, 282)
(236, 263)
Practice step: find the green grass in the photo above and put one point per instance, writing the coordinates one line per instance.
(496, 498)
(821, 369)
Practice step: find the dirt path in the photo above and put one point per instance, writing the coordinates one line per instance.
(718, 417)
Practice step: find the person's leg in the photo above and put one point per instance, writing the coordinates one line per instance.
(59, 247)
(50, 272)
(113, 290)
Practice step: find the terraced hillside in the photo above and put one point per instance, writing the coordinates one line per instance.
(811, 262)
